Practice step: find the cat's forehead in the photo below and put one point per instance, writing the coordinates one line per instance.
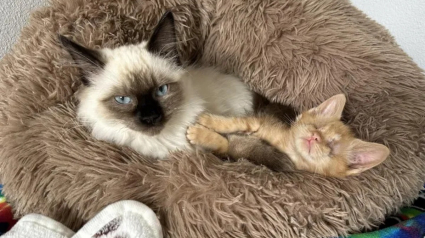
(141, 82)
(133, 67)
(311, 118)
(326, 124)
(129, 60)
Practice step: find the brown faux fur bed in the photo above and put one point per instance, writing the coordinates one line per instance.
(298, 52)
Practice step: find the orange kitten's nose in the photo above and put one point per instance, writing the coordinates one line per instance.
(314, 137)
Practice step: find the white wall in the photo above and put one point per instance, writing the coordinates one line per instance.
(404, 18)
(13, 16)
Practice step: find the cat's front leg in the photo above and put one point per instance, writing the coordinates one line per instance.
(201, 136)
(276, 134)
(228, 125)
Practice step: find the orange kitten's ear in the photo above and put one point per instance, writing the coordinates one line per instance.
(366, 155)
(332, 107)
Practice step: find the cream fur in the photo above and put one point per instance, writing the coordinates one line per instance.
(205, 90)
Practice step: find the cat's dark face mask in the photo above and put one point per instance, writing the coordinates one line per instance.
(143, 105)
(157, 107)
(149, 112)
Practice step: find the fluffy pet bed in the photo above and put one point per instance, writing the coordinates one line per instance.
(292, 51)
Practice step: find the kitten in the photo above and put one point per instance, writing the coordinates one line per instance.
(142, 97)
(317, 141)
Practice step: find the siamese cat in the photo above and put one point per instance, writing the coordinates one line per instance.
(317, 141)
(140, 96)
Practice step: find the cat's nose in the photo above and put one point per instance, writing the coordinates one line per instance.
(315, 137)
(151, 120)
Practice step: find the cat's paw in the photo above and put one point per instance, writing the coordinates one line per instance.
(201, 136)
(208, 120)
(218, 124)
(222, 124)
(194, 134)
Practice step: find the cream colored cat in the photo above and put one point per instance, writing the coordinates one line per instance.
(141, 96)
(317, 141)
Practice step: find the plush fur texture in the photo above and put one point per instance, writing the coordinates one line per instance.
(292, 51)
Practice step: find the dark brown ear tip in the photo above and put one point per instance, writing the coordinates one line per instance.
(166, 19)
(163, 40)
(64, 40)
(87, 60)
(168, 14)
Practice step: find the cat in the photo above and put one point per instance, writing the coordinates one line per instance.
(317, 141)
(142, 97)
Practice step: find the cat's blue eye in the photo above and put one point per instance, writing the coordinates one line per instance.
(162, 90)
(123, 100)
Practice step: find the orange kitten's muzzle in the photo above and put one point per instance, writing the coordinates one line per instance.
(313, 141)
(315, 137)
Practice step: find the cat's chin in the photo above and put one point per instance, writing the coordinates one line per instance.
(303, 149)
(150, 131)
(305, 154)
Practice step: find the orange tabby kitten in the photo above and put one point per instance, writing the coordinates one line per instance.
(318, 141)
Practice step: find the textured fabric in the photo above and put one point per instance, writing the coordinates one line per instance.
(415, 209)
(38, 226)
(408, 223)
(123, 219)
(292, 51)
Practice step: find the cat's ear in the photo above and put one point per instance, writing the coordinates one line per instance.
(365, 155)
(163, 41)
(332, 107)
(88, 60)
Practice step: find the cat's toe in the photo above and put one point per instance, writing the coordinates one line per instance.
(192, 134)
